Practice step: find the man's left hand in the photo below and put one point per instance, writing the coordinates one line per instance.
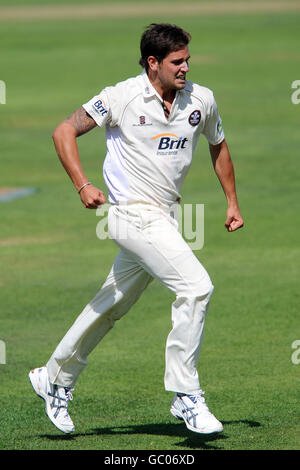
(234, 220)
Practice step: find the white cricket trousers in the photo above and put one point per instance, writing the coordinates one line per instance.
(150, 247)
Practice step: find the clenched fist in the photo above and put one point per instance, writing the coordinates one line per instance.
(92, 197)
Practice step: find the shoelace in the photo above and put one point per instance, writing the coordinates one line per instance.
(68, 397)
(197, 399)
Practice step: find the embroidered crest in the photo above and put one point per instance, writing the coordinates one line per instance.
(195, 117)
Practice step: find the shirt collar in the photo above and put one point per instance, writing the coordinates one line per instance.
(149, 90)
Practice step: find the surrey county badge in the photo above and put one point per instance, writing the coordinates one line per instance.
(195, 117)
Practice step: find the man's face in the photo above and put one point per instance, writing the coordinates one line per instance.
(173, 68)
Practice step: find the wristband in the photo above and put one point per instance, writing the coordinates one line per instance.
(81, 187)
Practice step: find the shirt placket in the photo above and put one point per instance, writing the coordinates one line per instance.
(173, 107)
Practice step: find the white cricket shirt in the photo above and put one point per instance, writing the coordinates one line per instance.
(148, 155)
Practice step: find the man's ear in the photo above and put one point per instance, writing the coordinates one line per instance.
(153, 63)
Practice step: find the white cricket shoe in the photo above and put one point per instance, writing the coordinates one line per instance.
(56, 399)
(194, 411)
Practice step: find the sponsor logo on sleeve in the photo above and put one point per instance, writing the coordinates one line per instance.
(219, 127)
(100, 107)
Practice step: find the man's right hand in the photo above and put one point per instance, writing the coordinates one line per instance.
(92, 197)
(64, 138)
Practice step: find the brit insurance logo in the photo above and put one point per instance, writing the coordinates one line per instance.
(169, 144)
(100, 107)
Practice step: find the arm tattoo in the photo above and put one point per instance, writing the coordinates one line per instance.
(81, 121)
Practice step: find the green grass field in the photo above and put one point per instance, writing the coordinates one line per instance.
(52, 263)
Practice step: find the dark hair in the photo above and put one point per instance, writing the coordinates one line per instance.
(160, 39)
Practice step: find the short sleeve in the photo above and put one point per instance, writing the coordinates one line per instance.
(213, 129)
(98, 108)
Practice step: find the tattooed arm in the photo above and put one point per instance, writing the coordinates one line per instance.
(64, 138)
(81, 121)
